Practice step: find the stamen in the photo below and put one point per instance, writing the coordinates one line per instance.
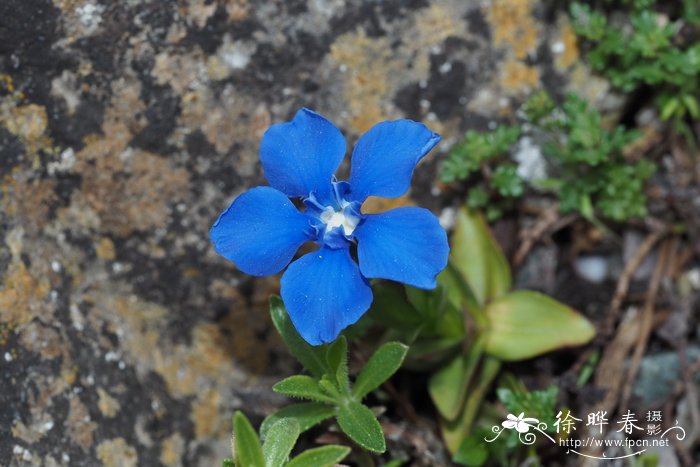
(334, 219)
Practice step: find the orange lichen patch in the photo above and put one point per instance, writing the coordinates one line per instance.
(79, 427)
(366, 62)
(197, 11)
(570, 53)
(7, 83)
(104, 248)
(374, 205)
(180, 71)
(27, 122)
(184, 366)
(518, 78)
(172, 449)
(185, 369)
(28, 200)
(42, 340)
(514, 26)
(226, 119)
(205, 415)
(136, 200)
(107, 404)
(237, 10)
(117, 453)
(435, 24)
(587, 85)
(22, 297)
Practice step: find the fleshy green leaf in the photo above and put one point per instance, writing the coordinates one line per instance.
(312, 358)
(308, 414)
(337, 357)
(280, 441)
(228, 463)
(525, 324)
(302, 386)
(478, 258)
(326, 456)
(381, 365)
(247, 445)
(359, 423)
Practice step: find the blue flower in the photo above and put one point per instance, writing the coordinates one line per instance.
(325, 290)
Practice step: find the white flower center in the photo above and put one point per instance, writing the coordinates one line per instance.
(334, 219)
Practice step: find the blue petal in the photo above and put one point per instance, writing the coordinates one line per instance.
(384, 158)
(300, 156)
(260, 231)
(324, 293)
(405, 244)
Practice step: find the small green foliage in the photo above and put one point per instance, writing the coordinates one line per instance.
(329, 385)
(589, 172)
(487, 149)
(654, 49)
(536, 404)
(468, 156)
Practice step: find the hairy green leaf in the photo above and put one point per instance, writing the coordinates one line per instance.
(380, 366)
(360, 424)
(337, 358)
(247, 445)
(326, 456)
(308, 414)
(302, 386)
(280, 440)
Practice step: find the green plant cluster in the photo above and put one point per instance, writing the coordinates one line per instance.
(589, 172)
(657, 46)
(329, 393)
(459, 333)
(486, 153)
(464, 354)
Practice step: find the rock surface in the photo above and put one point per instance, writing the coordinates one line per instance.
(126, 127)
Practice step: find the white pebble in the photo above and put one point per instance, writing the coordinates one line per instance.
(592, 268)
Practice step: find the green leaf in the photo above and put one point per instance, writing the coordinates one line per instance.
(478, 258)
(454, 432)
(525, 324)
(359, 423)
(326, 456)
(280, 441)
(471, 452)
(337, 357)
(247, 445)
(379, 368)
(302, 386)
(308, 414)
(228, 463)
(312, 358)
(391, 309)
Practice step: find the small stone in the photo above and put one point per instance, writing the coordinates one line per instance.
(592, 268)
